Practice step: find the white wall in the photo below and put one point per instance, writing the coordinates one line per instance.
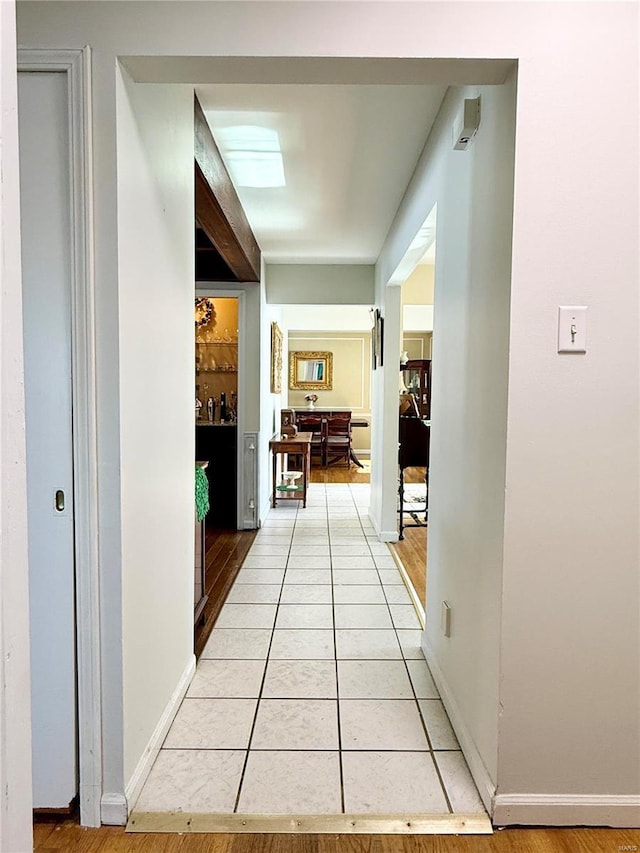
(270, 404)
(569, 669)
(417, 318)
(560, 528)
(570, 589)
(15, 729)
(473, 191)
(156, 278)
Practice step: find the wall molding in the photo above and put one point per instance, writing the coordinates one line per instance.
(250, 475)
(362, 338)
(567, 810)
(484, 783)
(143, 768)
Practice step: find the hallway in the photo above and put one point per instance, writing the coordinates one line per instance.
(312, 696)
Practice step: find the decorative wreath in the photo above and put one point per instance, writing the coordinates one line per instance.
(204, 311)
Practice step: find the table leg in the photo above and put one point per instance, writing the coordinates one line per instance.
(354, 458)
(275, 474)
(306, 458)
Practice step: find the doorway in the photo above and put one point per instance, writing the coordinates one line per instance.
(58, 331)
(416, 366)
(216, 392)
(45, 184)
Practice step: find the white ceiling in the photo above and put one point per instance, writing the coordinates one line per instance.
(348, 153)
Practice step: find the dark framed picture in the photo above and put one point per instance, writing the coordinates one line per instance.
(377, 339)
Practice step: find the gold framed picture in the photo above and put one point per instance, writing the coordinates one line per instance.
(310, 370)
(276, 359)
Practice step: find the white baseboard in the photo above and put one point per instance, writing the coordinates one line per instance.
(113, 810)
(567, 810)
(266, 508)
(388, 536)
(383, 535)
(485, 785)
(139, 776)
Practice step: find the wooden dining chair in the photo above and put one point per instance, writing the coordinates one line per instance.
(314, 424)
(338, 439)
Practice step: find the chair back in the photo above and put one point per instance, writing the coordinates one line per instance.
(339, 425)
(309, 423)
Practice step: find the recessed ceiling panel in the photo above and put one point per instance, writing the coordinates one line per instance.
(320, 170)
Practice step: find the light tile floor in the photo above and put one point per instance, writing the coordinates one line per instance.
(312, 695)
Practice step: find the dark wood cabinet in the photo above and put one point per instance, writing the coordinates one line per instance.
(217, 444)
(416, 374)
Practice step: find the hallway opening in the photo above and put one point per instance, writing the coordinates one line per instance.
(312, 700)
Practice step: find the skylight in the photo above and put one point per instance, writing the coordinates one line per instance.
(252, 155)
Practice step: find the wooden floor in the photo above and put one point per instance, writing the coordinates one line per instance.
(225, 552)
(412, 552)
(67, 837)
(339, 474)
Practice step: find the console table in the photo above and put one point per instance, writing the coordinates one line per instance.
(288, 416)
(299, 444)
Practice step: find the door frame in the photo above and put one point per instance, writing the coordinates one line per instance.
(228, 291)
(76, 64)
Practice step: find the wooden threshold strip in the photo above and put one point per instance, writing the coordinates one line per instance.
(346, 824)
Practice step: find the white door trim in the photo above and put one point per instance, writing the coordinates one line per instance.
(76, 64)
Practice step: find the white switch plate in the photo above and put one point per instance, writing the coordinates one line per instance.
(572, 328)
(445, 619)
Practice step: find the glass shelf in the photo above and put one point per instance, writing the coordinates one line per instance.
(216, 343)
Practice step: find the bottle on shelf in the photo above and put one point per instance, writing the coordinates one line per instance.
(211, 410)
(223, 407)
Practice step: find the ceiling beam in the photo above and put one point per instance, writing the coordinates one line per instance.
(218, 209)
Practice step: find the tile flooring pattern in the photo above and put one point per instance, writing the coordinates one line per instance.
(312, 695)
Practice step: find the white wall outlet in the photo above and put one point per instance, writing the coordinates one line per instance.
(572, 328)
(445, 619)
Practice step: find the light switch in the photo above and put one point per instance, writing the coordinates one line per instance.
(572, 328)
(445, 619)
